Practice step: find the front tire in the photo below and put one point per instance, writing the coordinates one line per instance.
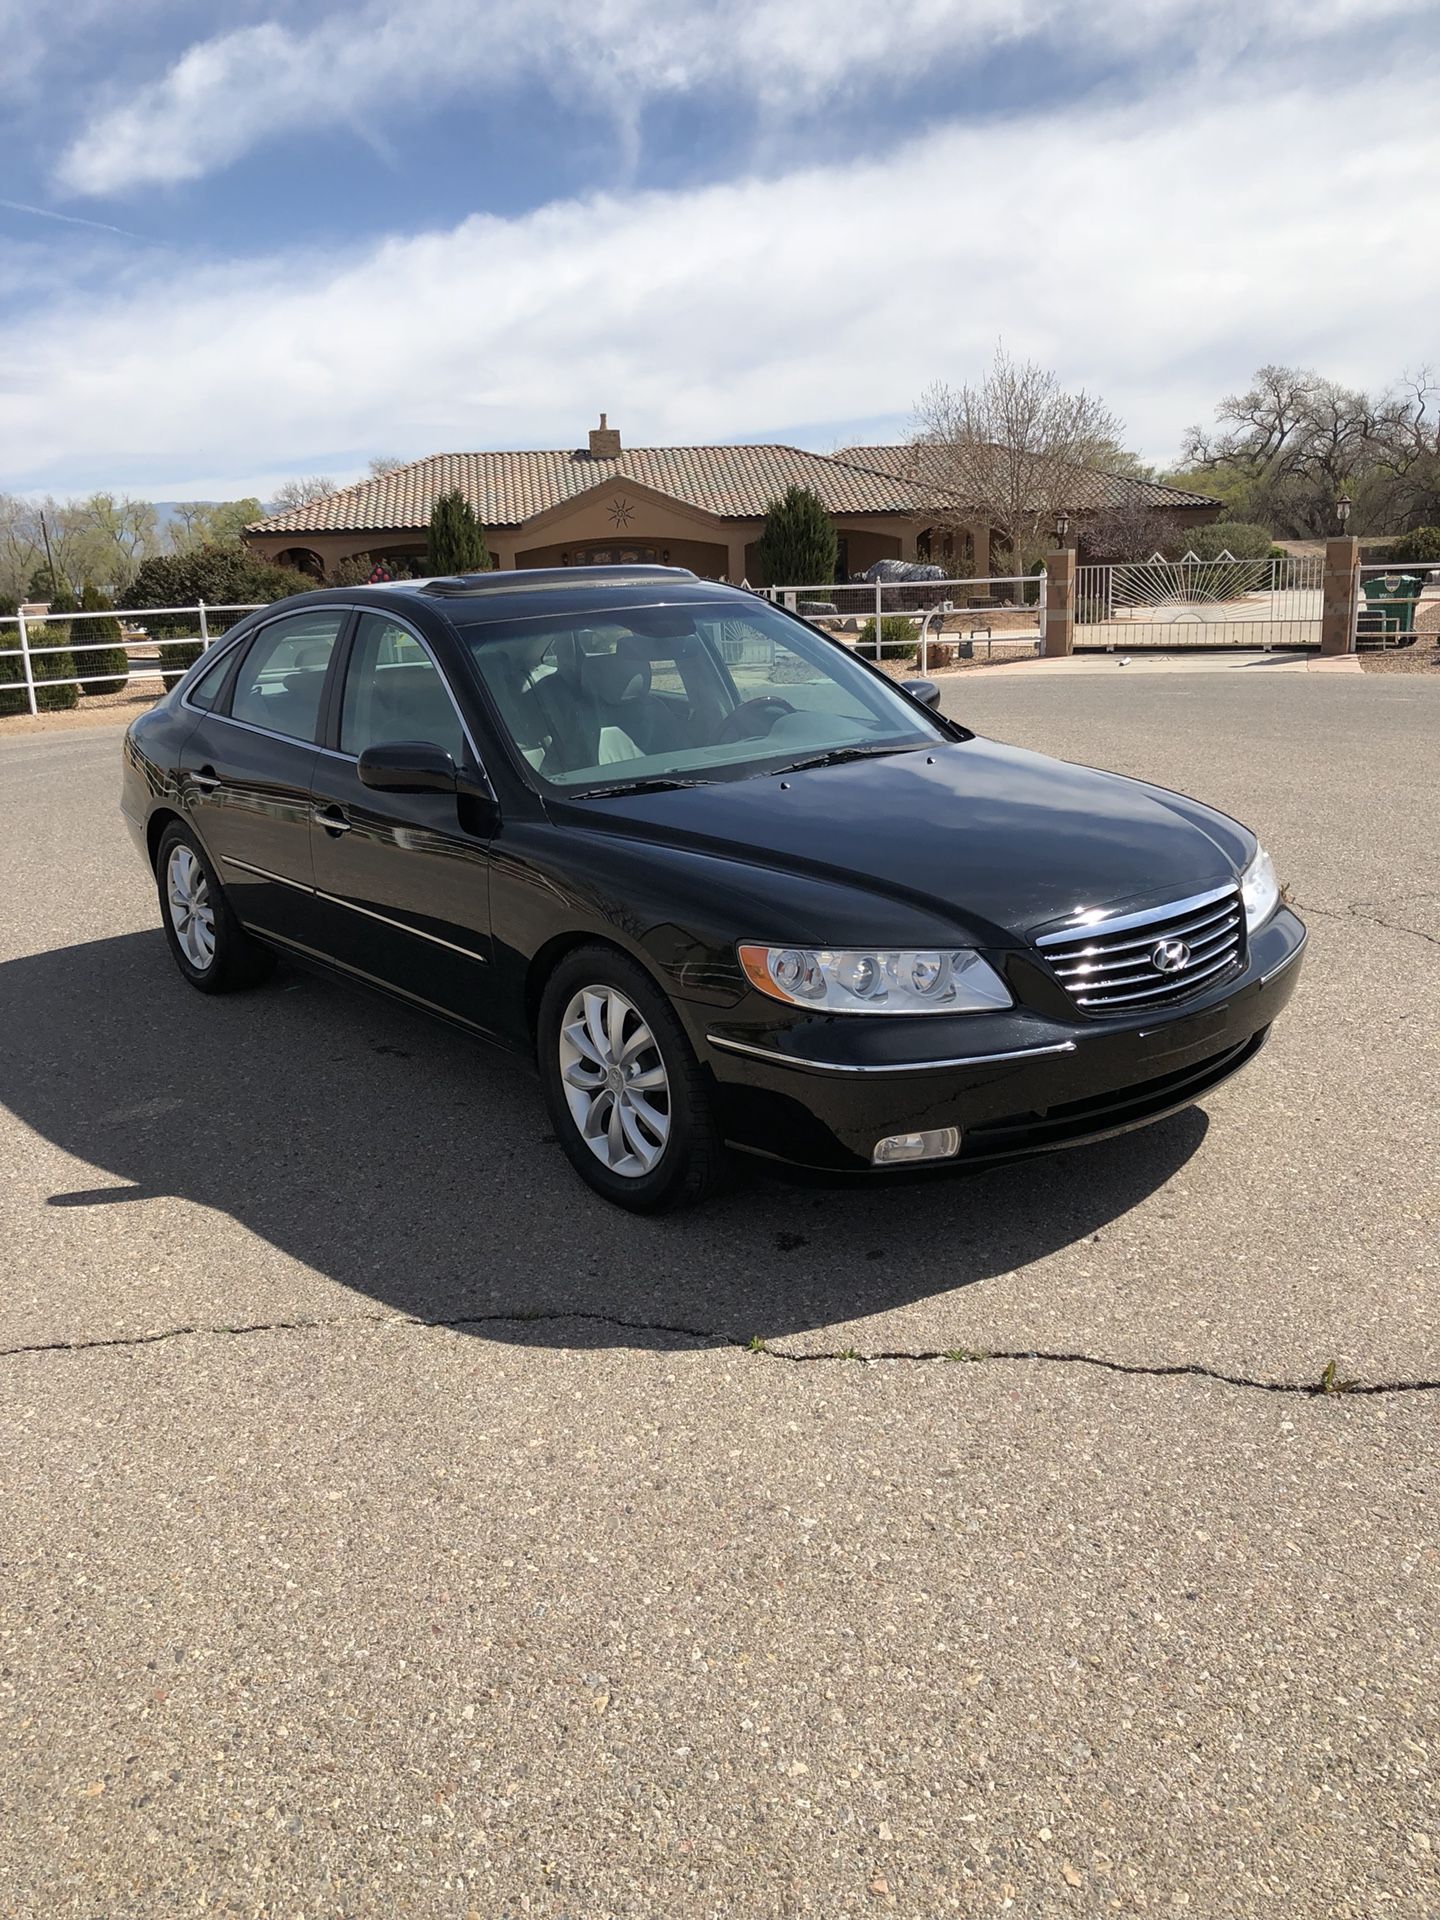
(208, 944)
(624, 1090)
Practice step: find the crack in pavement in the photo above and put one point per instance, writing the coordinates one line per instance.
(1354, 911)
(1324, 1386)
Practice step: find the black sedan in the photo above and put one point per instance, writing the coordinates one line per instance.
(727, 884)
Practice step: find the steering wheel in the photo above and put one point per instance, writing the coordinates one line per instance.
(734, 725)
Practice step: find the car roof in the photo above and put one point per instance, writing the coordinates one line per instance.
(472, 600)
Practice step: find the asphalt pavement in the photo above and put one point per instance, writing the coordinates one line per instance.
(390, 1528)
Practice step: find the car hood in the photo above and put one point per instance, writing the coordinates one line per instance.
(998, 840)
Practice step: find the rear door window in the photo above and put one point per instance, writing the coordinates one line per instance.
(282, 676)
(206, 690)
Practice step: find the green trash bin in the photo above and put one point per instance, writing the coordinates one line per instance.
(1388, 618)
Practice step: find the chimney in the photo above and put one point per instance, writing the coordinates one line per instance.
(604, 442)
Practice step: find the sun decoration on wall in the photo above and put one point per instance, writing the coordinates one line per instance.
(621, 513)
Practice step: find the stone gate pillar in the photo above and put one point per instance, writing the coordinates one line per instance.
(1059, 603)
(1338, 594)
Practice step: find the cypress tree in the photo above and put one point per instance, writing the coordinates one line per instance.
(97, 670)
(45, 666)
(456, 541)
(798, 544)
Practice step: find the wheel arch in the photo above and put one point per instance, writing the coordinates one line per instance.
(167, 816)
(155, 826)
(558, 947)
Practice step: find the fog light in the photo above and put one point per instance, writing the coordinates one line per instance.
(940, 1143)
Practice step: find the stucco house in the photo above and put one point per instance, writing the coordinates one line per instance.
(696, 507)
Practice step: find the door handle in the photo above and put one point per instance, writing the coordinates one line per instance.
(207, 780)
(332, 819)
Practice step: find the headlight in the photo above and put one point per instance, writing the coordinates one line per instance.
(861, 981)
(1260, 890)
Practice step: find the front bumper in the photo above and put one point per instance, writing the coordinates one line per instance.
(820, 1092)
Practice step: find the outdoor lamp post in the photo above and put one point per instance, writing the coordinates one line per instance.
(1062, 527)
(1342, 511)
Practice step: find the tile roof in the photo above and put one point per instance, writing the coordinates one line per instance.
(1093, 489)
(507, 489)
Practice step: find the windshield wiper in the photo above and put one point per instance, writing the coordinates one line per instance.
(837, 756)
(649, 783)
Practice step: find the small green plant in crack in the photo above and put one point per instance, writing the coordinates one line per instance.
(966, 1353)
(1329, 1381)
(757, 1344)
(849, 1353)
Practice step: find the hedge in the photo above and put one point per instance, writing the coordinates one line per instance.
(897, 637)
(48, 666)
(1419, 547)
(218, 575)
(98, 670)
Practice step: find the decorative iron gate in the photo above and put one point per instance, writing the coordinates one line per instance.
(1200, 603)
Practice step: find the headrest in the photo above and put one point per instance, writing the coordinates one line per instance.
(622, 675)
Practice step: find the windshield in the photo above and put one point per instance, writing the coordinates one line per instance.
(704, 691)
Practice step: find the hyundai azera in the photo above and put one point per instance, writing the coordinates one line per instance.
(726, 884)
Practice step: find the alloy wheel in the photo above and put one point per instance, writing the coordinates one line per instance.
(615, 1082)
(187, 896)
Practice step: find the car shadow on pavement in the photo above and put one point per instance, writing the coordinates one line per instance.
(387, 1153)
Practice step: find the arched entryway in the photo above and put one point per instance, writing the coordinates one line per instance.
(301, 560)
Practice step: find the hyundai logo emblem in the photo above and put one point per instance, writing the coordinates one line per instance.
(1170, 956)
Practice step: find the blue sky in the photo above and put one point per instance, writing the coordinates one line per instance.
(407, 225)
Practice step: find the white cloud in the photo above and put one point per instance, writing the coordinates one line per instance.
(1154, 254)
(227, 94)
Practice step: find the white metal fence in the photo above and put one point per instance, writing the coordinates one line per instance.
(1200, 603)
(929, 621)
(29, 639)
(1156, 602)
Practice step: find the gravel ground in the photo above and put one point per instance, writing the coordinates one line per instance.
(93, 710)
(389, 1528)
(1423, 657)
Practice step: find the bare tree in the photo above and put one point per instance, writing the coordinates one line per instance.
(1131, 529)
(187, 523)
(1009, 451)
(1293, 442)
(299, 493)
(379, 464)
(119, 531)
(21, 548)
(211, 523)
(102, 538)
(1402, 485)
(1296, 440)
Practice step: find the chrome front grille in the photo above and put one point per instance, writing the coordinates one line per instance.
(1125, 961)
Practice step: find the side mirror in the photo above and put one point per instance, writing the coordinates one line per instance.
(407, 766)
(925, 691)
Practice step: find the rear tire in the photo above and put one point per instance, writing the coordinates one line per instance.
(209, 946)
(625, 1093)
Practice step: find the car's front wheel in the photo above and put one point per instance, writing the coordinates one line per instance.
(210, 947)
(624, 1090)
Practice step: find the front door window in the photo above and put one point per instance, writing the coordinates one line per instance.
(393, 691)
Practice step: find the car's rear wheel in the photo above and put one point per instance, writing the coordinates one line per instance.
(210, 947)
(625, 1092)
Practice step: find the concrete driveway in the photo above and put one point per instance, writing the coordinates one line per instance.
(390, 1528)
